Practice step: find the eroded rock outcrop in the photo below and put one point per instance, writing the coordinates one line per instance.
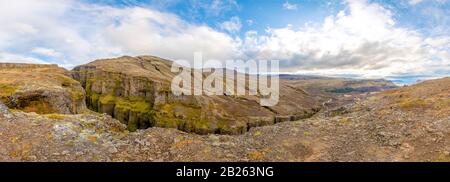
(40, 88)
(136, 91)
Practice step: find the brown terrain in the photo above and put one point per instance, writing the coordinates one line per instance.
(42, 89)
(136, 91)
(325, 119)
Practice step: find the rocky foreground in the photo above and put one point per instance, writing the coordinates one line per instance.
(403, 124)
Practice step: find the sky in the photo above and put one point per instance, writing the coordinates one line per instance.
(400, 40)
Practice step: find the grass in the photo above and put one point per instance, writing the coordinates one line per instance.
(342, 90)
(107, 99)
(411, 103)
(66, 81)
(14, 110)
(133, 104)
(442, 103)
(6, 90)
(442, 158)
(256, 155)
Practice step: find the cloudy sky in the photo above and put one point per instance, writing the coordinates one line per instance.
(402, 40)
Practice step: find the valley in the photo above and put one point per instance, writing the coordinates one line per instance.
(121, 109)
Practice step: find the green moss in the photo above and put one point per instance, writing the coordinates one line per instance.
(14, 110)
(225, 126)
(88, 86)
(139, 112)
(137, 105)
(88, 123)
(135, 112)
(92, 101)
(182, 117)
(76, 95)
(107, 99)
(166, 118)
(66, 81)
(95, 96)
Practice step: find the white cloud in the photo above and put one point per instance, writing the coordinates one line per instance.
(414, 2)
(289, 6)
(234, 25)
(77, 33)
(14, 58)
(363, 40)
(212, 7)
(250, 22)
(144, 31)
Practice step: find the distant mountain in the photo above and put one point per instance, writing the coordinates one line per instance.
(301, 77)
(334, 85)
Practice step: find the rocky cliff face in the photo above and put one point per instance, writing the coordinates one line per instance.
(136, 91)
(40, 88)
(406, 124)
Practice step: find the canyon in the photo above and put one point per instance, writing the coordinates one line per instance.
(121, 109)
(136, 91)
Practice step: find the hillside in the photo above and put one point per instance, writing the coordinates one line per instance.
(43, 117)
(42, 89)
(136, 91)
(366, 130)
(333, 86)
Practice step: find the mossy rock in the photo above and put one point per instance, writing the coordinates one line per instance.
(7, 90)
(135, 112)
